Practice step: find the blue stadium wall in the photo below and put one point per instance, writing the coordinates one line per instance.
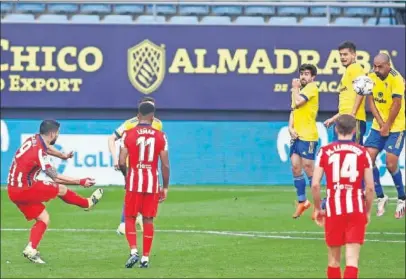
(224, 102)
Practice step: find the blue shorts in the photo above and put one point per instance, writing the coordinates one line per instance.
(360, 130)
(305, 149)
(392, 143)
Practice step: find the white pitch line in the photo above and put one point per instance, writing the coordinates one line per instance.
(228, 233)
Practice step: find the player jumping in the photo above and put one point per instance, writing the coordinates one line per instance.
(128, 124)
(29, 194)
(387, 104)
(144, 146)
(347, 213)
(303, 132)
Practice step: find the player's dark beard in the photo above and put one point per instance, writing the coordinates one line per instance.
(53, 141)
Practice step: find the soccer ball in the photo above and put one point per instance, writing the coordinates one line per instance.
(363, 85)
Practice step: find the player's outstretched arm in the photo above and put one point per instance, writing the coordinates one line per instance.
(56, 153)
(374, 110)
(122, 160)
(66, 180)
(112, 148)
(357, 104)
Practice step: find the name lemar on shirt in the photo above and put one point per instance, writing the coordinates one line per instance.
(146, 131)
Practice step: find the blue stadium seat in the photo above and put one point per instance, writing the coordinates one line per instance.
(120, 19)
(250, 20)
(85, 19)
(63, 8)
(297, 11)
(19, 18)
(348, 21)
(162, 9)
(383, 21)
(283, 20)
(321, 11)
(128, 9)
(184, 20)
(359, 11)
(49, 18)
(193, 10)
(6, 7)
(30, 8)
(216, 20)
(314, 21)
(387, 12)
(259, 10)
(227, 10)
(147, 19)
(95, 8)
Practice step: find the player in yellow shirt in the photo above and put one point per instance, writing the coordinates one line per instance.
(303, 132)
(127, 125)
(387, 104)
(347, 96)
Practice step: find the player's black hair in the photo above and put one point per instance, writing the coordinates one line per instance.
(308, 67)
(147, 99)
(48, 126)
(347, 44)
(146, 108)
(345, 124)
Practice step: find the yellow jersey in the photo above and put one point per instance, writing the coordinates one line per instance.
(383, 93)
(131, 123)
(304, 117)
(347, 94)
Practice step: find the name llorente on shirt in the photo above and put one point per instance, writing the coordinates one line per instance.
(344, 147)
(146, 131)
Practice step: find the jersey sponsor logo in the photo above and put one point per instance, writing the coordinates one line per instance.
(146, 66)
(380, 98)
(5, 136)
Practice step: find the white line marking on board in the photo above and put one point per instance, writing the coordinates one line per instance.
(280, 235)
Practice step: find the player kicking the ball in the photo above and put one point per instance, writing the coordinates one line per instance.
(144, 146)
(29, 194)
(348, 210)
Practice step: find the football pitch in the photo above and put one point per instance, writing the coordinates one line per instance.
(211, 232)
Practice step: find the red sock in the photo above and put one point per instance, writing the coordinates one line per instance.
(130, 232)
(148, 236)
(351, 272)
(37, 232)
(333, 273)
(72, 198)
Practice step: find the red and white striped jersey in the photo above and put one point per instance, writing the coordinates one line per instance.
(144, 145)
(344, 163)
(28, 161)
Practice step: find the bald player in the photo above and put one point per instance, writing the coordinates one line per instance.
(387, 104)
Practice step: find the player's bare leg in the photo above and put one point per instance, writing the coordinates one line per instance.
(139, 222)
(131, 235)
(71, 197)
(334, 259)
(392, 164)
(382, 198)
(36, 234)
(300, 184)
(148, 236)
(351, 258)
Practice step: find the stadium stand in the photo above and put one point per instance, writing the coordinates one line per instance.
(310, 14)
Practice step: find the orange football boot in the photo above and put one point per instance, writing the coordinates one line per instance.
(300, 208)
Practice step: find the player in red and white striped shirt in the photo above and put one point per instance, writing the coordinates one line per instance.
(348, 210)
(144, 146)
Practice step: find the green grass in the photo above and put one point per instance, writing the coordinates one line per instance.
(183, 245)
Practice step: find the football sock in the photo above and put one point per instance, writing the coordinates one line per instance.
(323, 204)
(37, 232)
(333, 272)
(72, 198)
(133, 251)
(122, 216)
(377, 181)
(300, 185)
(130, 232)
(351, 272)
(148, 237)
(397, 179)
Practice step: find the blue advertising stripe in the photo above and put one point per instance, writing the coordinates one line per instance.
(201, 152)
(113, 66)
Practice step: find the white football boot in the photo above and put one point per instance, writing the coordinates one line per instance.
(400, 209)
(95, 198)
(382, 202)
(32, 254)
(121, 229)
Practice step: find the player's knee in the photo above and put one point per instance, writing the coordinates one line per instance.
(308, 167)
(391, 162)
(44, 217)
(62, 190)
(147, 220)
(296, 169)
